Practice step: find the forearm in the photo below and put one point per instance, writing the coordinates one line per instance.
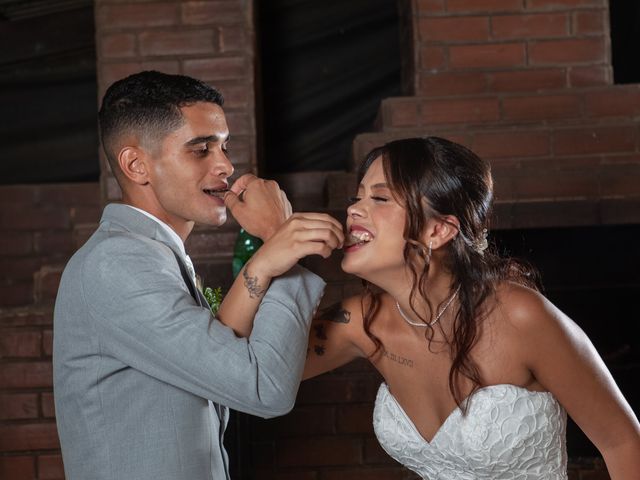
(623, 460)
(238, 309)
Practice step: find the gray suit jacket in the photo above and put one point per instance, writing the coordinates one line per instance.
(143, 374)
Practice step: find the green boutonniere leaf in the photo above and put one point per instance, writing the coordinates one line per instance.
(214, 297)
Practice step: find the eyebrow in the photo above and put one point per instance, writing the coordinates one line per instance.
(208, 139)
(376, 185)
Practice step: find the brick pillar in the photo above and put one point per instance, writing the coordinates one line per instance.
(210, 40)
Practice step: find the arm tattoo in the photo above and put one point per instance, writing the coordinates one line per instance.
(319, 349)
(405, 362)
(320, 333)
(255, 290)
(336, 313)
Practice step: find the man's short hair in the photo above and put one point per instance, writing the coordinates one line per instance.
(147, 105)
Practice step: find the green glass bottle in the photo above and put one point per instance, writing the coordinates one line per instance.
(246, 245)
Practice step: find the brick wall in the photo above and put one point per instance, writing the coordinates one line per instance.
(40, 227)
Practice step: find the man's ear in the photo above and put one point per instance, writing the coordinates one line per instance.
(441, 231)
(133, 164)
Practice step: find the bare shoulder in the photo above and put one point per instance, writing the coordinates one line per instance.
(529, 312)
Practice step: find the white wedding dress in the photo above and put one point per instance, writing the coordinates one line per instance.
(509, 432)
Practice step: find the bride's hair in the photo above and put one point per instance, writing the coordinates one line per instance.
(433, 177)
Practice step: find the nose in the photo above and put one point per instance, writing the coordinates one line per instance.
(355, 209)
(222, 166)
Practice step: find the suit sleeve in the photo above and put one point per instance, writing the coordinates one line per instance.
(145, 317)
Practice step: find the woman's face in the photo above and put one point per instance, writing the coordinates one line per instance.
(375, 224)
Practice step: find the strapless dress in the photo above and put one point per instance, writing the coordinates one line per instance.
(508, 432)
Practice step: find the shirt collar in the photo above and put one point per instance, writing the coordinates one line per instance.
(172, 233)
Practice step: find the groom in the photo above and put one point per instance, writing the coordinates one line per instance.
(143, 374)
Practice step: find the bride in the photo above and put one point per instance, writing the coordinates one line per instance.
(479, 368)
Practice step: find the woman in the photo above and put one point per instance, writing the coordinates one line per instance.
(478, 366)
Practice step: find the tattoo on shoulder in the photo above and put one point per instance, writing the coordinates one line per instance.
(405, 362)
(321, 334)
(336, 313)
(251, 283)
(319, 349)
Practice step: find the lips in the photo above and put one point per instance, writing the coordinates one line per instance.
(216, 192)
(357, 237)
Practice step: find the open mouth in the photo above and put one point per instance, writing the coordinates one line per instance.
(357, 238)
(218, 192)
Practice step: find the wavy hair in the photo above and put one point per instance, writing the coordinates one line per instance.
(434, 178)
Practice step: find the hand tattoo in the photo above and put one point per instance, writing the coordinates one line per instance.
(251, 283)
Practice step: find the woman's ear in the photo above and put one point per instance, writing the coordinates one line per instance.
(133, 164)
(441, 231)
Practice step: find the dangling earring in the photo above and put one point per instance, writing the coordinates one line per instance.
(429, 252)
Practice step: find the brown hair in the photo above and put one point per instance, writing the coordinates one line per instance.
(434, 177)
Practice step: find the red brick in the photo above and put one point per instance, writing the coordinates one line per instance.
(16, 294)
(47, 405)
(240, 123)
(19, 268)
(27, 317)
(530, 26)
(374, 454)
(454, 29)
(47, 342)
(235, 96)
(53, 243)
(331, 450)
(590, 76)
(481, 6)
(619, 101)
(37, 436)
(115, 71)
(446, 84)
(554, 213)
(26, 375)
(213, 69)
(620, 211)
(83, 215)
(232, 39)
(20, 343)
(143, 15)
(23, 194)
(118, 45)
(17, 468)
(46, 283)
(590, 22)
(71, 194)
(474, 110)
(308, 420)
(432, 58)
(366, 473)
(527, 80)
(18, 406)
(511, 144)
(50, 467)
(542, 107)
(492, 55)
(15, 243)
(34, 218)
(426, 7)
(562, 4)
(401, 114)
(330, 389)
(534, 185)
(355, 418)
(579, 50)
(212, 12)
(594, 140)
(620, 181)
(187, 42)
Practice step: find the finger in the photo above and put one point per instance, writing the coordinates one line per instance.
(288, 211)
(242, 182)
(231, 200)
(319, 235)
(318, 222)
(320, 216)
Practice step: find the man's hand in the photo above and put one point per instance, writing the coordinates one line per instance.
(258, 205)
(301, 235)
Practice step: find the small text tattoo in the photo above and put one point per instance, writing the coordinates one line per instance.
(405, 362)
(319, 349)
(251, 283)
(320, 333)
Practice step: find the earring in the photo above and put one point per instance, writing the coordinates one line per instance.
(429, 252)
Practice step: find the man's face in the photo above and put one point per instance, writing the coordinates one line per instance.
(188, 172)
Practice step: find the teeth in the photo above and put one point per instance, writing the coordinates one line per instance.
(216, 193)
(359, 237)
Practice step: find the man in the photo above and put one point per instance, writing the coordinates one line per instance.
(143, 374)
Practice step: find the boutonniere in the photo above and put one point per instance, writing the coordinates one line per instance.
(214, 298)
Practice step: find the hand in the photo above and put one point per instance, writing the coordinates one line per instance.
(301, 235)
(259, 206)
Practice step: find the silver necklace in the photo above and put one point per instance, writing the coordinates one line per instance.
(435, 320)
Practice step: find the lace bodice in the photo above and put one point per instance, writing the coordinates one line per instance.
(509, 432)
